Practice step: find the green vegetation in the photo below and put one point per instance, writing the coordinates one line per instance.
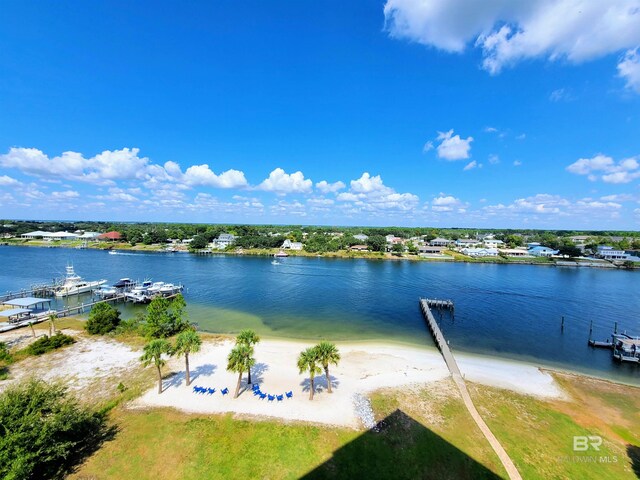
(46, 344)
(153, 352)
(249, 338)
(165, 317)
(240, 360)
(103, 318)
(308, 362)
(187, 342)
(327, 353)
(44, 433)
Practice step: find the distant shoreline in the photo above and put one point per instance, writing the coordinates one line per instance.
(455, 257)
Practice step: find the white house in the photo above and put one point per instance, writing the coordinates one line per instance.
(493, 243)
(361, 237)
(440, 242)
(609, 253)
(541, 251)
(90, 235)
(467, 243)
(514, 252)
(223, 241)
(480, 252)
(289, 245)
(36, 234)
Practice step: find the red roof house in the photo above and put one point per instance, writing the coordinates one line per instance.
(110, 236)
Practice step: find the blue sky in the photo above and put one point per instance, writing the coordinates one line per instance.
(404, 112)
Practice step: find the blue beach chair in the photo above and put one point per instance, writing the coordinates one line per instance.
(271, 397)
(255, 387)
(195, 389)
(263, 396)
(280, 397)
(256, 393)
(225, 391)
(211, 391)
(289, 394)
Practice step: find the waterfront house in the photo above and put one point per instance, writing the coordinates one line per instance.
(223, 241)
(440, 242)
(392, 239)
(431, 250)
(90, 235)
(110, 237)
(289, 245)
(609, 253)
(467, 243)
(514, 252)
(361, 237)
(359, 248)
(33, 235)
(542, 251)
(480, 252)
(493, 243)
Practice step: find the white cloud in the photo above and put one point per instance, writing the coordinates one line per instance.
(522, 136)
(517, 163)
(470, 166)
(452, 147)
(326, 187)
(619, 197)
(282, 183)
(606, 169)
(369, 194)
(202, 175)
(490, 130)
(629, 69)
(561, 94)
(427, 147)
(508, 32)
(64, 195)
(448, 203)
(494, 159)
(6, 181)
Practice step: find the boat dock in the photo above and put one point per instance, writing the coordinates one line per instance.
(625, 348)
(44, 290)
(438, 337)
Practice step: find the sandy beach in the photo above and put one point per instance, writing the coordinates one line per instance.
(364, 367)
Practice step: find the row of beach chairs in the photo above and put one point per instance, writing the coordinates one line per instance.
(209, 391)
(258, 393)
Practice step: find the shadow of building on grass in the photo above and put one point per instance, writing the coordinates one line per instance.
(402, 448)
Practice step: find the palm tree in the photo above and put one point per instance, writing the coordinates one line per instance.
(52, 326)
(33, 332)
(308, 361)
(187, 342)
(249, 338)
(239, 360)
(153, 354)
(327, 353)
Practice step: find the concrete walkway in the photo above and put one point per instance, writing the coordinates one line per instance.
(507, 463)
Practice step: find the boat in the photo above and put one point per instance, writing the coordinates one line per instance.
(112, 252)
(155, 288)
(107, 292)
(74, 284)
(124, 283)
(170, 289)
(281, 254)
(275, 262)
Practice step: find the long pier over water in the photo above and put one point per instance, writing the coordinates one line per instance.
(438, 337)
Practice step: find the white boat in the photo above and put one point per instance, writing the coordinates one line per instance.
(112, 252)
(74, 284)
(107, 292)
(170, 289)
(275, 262)
(155, 288)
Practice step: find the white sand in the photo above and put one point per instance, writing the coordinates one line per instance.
(363, 368)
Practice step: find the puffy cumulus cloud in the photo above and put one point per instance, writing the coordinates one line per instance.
(448, 203)
(607, 169)
(453, 147)
(629, 69)
(109, 167)
(64, 195)
(369, 193)
(326, 187)
(202, 175)
(282, 183)
(508, 32)
(7, 181)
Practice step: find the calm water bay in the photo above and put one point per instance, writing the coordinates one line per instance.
(509, 311)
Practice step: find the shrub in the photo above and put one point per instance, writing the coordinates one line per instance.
(103, 319)
(5, 356)
(43, 432)
(46, 344)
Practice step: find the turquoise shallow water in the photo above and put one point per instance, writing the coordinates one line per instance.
(511, 311)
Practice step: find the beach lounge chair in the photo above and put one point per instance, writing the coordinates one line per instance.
(255, 387)
(263, 396)
(225, 391)
(289, 394)
(256, 393)
(211, 391)
(196, 389)
(279, 397)
(271, 397)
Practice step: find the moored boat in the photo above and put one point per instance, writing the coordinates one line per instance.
(75, 285)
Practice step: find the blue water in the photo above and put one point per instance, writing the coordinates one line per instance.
(512, 311)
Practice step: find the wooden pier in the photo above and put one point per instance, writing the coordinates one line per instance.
(443, 346)
(44, 290)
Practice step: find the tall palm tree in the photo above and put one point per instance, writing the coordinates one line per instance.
(327, 353)
(308, 362)
(187, 342)
(240, 359)
(249, 338)
(52, 326)
(153, 354)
